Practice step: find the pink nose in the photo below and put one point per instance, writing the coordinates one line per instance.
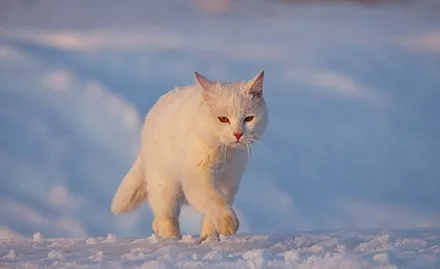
(238, 135)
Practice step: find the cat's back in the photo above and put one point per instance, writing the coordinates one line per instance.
(171, 105)
(170, 115)
(168, 124)
(175, 100)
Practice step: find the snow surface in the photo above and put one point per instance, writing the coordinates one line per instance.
(353, 93)
(352, 143)
(329, 250)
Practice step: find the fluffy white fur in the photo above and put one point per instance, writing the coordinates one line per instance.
(188, 155)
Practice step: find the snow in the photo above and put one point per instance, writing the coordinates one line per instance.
(352, 141)
(320, 250)
(38, 237)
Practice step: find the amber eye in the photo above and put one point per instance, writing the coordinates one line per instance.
(248, 118)
(223, 119)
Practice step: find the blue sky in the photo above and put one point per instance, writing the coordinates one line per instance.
(353, 93)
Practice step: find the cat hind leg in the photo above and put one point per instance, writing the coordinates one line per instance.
(165, 199)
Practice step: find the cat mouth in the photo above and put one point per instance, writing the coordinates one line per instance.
(238, 144)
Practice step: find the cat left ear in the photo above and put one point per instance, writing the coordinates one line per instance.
(256, 85)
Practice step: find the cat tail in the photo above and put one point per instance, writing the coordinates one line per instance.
(132, 191)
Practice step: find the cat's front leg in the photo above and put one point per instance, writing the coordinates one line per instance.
(208, 231)
(201, 193)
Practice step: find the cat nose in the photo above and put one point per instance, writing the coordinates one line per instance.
(238, 135)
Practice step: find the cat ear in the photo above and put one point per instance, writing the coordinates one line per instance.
(205, 83)
(256, 85)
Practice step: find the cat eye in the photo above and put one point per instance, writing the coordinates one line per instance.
(248, 118)
(223, 119)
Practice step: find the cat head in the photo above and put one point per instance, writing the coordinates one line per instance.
(237, 111)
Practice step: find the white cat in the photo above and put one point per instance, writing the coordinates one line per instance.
(194, 150)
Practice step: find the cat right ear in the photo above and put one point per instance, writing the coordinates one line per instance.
(256, 85)
(202, 81)
(206, 84)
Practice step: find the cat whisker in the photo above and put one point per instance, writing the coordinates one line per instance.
(252, 151)
(248, 150)
(225, 153)
(263, 146)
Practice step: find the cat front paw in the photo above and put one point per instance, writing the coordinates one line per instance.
(228, 224)
(166, 228)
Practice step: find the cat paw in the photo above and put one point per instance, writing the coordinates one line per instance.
(228, 225)
(206, 238)
(166, 228)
